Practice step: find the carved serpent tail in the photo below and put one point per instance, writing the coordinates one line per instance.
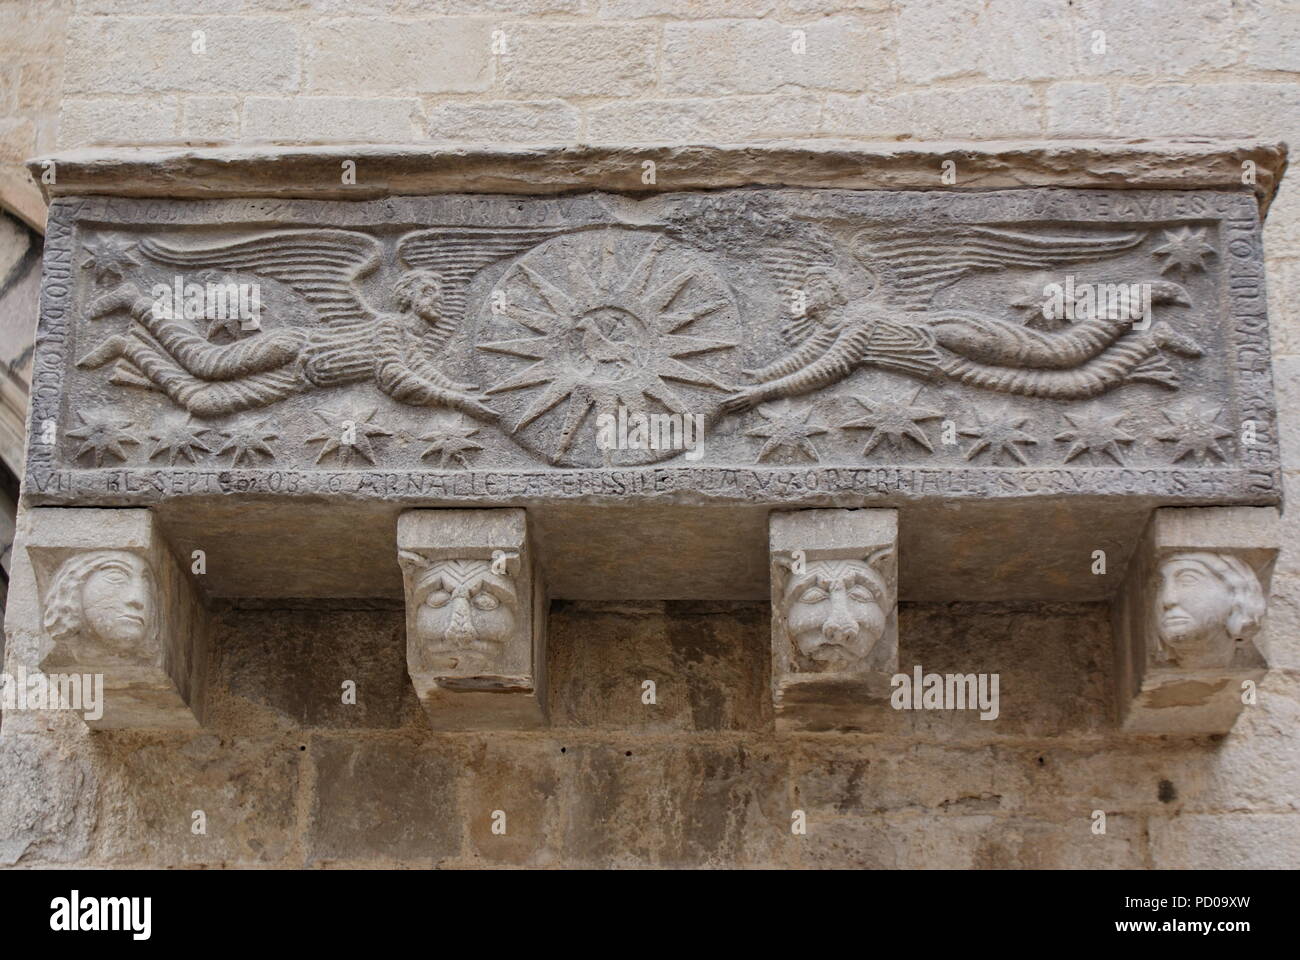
(1095, 377)
(994, 341)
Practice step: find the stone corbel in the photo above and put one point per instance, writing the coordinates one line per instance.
(107, 602)
(1185, 621)
(834, 615)
(475, 618)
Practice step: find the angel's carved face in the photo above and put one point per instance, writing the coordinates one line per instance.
(824, 291)
(835, 613)
(420, 292)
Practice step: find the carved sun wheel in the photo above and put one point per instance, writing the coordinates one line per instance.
(610, 319)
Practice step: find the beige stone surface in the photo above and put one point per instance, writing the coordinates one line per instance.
(99, 593)
(707, 783)
(1186, 618)
(386, 169)
(290, 776)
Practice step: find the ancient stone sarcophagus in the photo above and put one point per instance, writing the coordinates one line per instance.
(1024, 364)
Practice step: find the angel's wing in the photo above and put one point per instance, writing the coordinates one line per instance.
(911, 265)
(321, 265)
(457, 253)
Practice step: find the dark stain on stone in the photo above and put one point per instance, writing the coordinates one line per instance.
(1166, 792)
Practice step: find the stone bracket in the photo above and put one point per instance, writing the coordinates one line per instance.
(834, 615)
(99, 594)
(475, 618)
(1186, 617)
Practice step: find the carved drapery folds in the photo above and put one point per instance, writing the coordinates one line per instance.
(1187, 618)
(475, 619)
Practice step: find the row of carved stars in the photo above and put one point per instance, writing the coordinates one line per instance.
(347, 432)
(1193, 429)
(787, 433)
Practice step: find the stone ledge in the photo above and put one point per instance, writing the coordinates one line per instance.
(20, 196)
(268, 170)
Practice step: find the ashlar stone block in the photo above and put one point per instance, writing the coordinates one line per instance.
(1185, 621)
(475, 618)
(103, 595)
(834, 614)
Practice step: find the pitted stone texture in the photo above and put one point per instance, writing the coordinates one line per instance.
(106, 596)
(834, 577)
(296, 663)
(710, 805)
(355, 55)
(1193, 600)
(51, 802)
(245, 788)
(313, 171)
(511, 802)
(705, 661)
(255, 53)
(951, 791)
(975, 841)
(475, 618)
(584, 60)
(1065, 648)
(381, 801)
(1219, 842)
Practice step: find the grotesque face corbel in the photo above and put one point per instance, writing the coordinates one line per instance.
(835, 612)
(466, 609)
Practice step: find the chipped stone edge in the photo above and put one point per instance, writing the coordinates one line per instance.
(314, 171)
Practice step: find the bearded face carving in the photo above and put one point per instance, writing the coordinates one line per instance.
(1205, 603)
(466, 610)
(107, 599)
(835, 612)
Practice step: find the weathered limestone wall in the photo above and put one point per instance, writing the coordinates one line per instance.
(287, 774)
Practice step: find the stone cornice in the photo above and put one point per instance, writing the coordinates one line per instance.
(254, 170)
(19, 196)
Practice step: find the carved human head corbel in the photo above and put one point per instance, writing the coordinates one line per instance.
(107, 601)
(835, 612)
(1205, 603)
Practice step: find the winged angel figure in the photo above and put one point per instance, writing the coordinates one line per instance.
(350, 342)
(892, 323)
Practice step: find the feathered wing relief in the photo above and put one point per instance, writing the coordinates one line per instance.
(349, 340)
(895, 325)
(631, 320)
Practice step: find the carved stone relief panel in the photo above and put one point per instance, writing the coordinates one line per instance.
(1087, 354)
(475, 618)
(112, 600)
(834, 613)
(1074, 330)
(1187, 619)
